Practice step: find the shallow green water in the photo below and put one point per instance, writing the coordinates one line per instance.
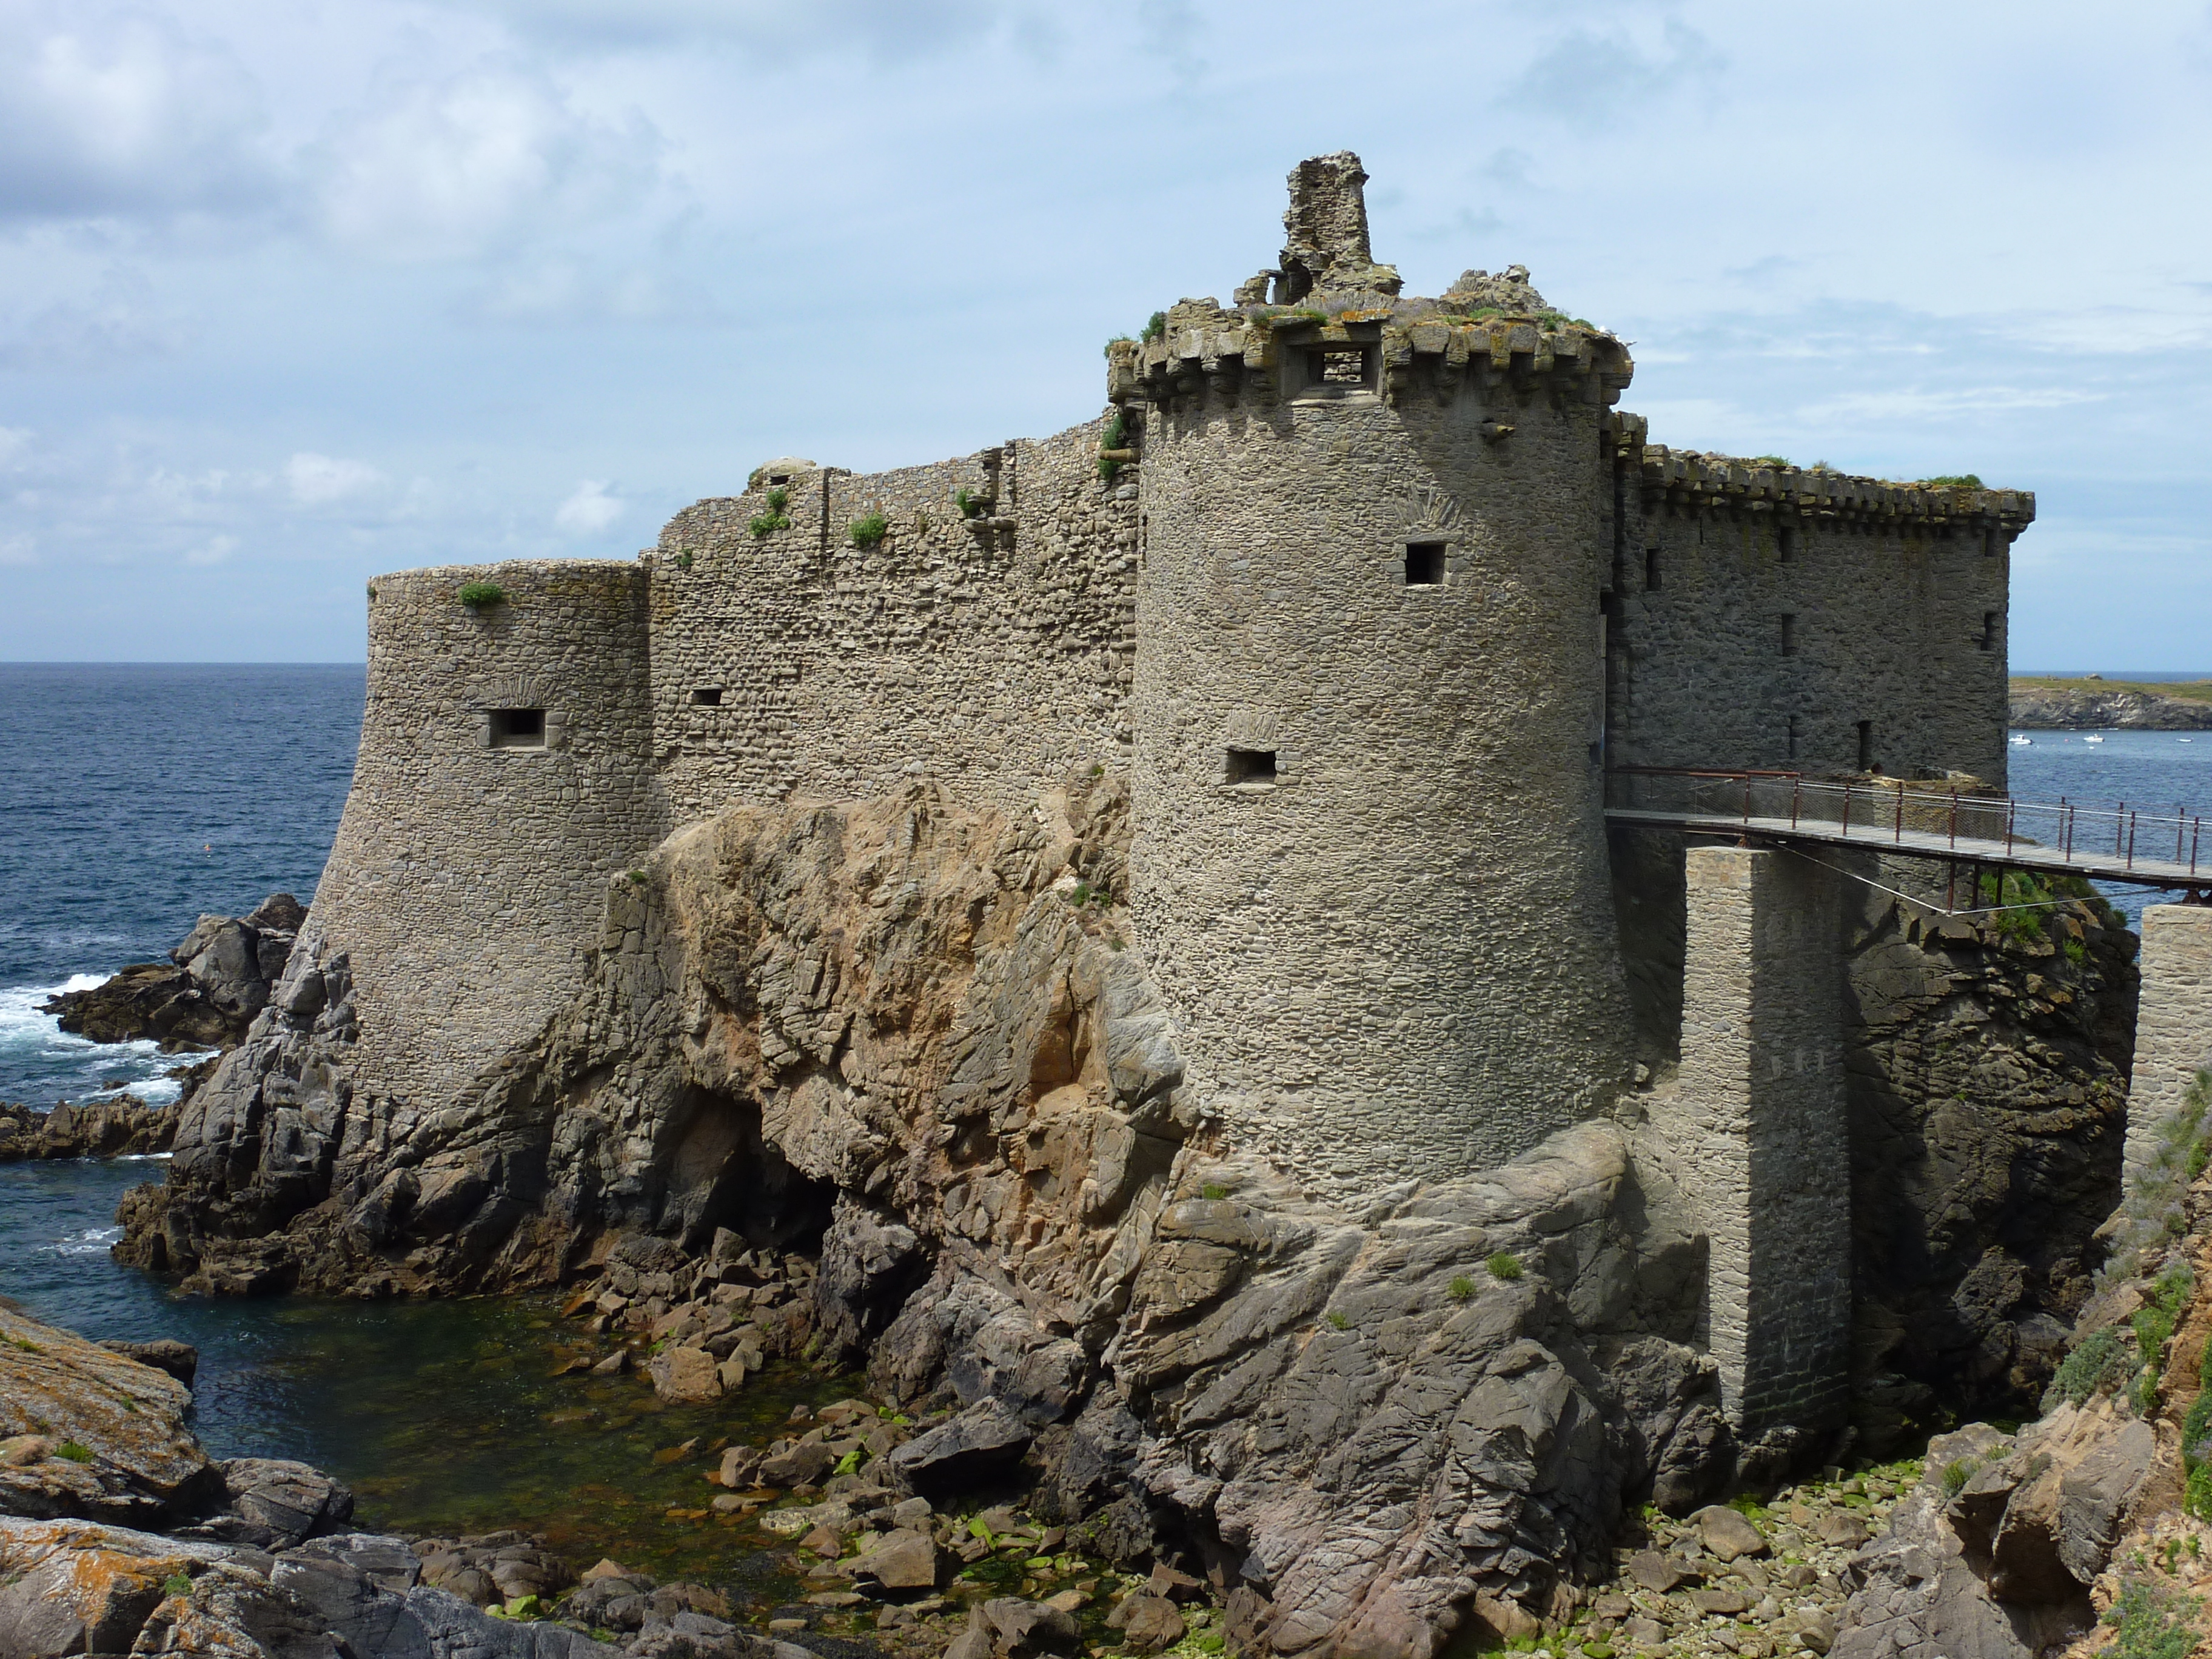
(453, 1422)
(443, 1416)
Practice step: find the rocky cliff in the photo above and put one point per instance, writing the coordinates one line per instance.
(911, 1037)
(2087, 705)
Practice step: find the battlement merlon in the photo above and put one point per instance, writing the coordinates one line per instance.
(1691, 481)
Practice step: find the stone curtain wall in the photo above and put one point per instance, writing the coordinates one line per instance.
(1892, 589)
(1398, 958)
(1754, 1132)
(465, 879)
(991, 653)
(2173, 1024)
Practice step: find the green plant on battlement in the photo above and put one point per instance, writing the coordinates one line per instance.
(1156, 326)
(1118, 339)
(870, 531)
(683, 560)
(1771, 460)
(775, 518)
(477, 595)
(372, 592)
(1116, 435)
(1955, 481)
(1556, 320)
(970, 504)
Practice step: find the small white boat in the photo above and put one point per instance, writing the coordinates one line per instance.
(2094, 736)
(2022, 740)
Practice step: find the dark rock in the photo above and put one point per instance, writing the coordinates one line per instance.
(1027, 1627)
(870, 1264)
(798, 1465)
(111, 1126)
(180, 1359)
(984, 1441)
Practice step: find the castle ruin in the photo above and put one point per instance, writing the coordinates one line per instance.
(1363, 592)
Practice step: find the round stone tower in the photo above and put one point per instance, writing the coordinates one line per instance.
(1371, 863)
(505, 775)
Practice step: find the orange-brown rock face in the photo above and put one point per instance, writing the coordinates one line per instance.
(84, 1431)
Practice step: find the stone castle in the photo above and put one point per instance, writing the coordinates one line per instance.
(1364, 594)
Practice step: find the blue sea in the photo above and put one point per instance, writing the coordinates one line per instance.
(132, 798)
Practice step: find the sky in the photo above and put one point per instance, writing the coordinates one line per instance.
(292, 294)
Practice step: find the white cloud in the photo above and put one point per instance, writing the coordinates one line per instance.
(18, 550)
(317, 479)
(478, 161)
(109, 111)
(1919, 403)
(589, 510)
(14, 440)
(214, 550)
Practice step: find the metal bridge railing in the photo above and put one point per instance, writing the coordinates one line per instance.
(1916, 815)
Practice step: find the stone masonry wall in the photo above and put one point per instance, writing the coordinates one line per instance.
(466, 878)
(2173, 1023)
(991, 653)
(1895, 597)
(1754, 1132)
(1395, 955)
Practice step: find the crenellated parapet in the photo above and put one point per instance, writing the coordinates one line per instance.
(1689, 481)
(1399, 347)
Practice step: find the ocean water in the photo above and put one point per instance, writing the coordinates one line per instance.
(2150, 771)
(133, 798)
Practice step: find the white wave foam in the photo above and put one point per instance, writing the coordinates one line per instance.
(93, 1241)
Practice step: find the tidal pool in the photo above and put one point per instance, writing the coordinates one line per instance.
(444, 1417)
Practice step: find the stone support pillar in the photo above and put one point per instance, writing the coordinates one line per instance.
(2173, 1024)
(1756, 1132)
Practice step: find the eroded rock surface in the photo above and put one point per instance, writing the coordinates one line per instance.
(912, 1037)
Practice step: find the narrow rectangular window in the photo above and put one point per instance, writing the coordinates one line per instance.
(707, 696)
(1989, 640)
(1251, 766)
(1866, 745)
(1788, 634)
(1785, 545)
(1992, 543)
(518, 728)
(1651, 570)
(1793, 736)
(1424, 564)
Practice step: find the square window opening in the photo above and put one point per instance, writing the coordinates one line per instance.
(518, 728)
(1251, 766)
(707, 696)
(1341, 367)
(1424, 564)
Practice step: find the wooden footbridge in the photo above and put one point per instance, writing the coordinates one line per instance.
(1923, 820)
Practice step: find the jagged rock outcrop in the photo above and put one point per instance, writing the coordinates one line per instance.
(2086, 708)
(906, 1035)
(205, 996)
(108, 1127)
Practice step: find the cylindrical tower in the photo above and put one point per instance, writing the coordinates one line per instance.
(1370, 869)
(505, 773)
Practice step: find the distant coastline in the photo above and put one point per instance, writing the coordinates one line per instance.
(2050, 702)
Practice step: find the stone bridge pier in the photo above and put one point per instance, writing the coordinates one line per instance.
(2174, 1026)
(1755, 1135)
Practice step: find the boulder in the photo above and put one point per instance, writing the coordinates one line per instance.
(275, 1503)
(1147, 1622)
(1728, 1535)
(985, 1440)
(900, 1560)
(180, 1359)
(1029, 1627)
(685, 1376)
(798, 1466)
(72, 1587)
